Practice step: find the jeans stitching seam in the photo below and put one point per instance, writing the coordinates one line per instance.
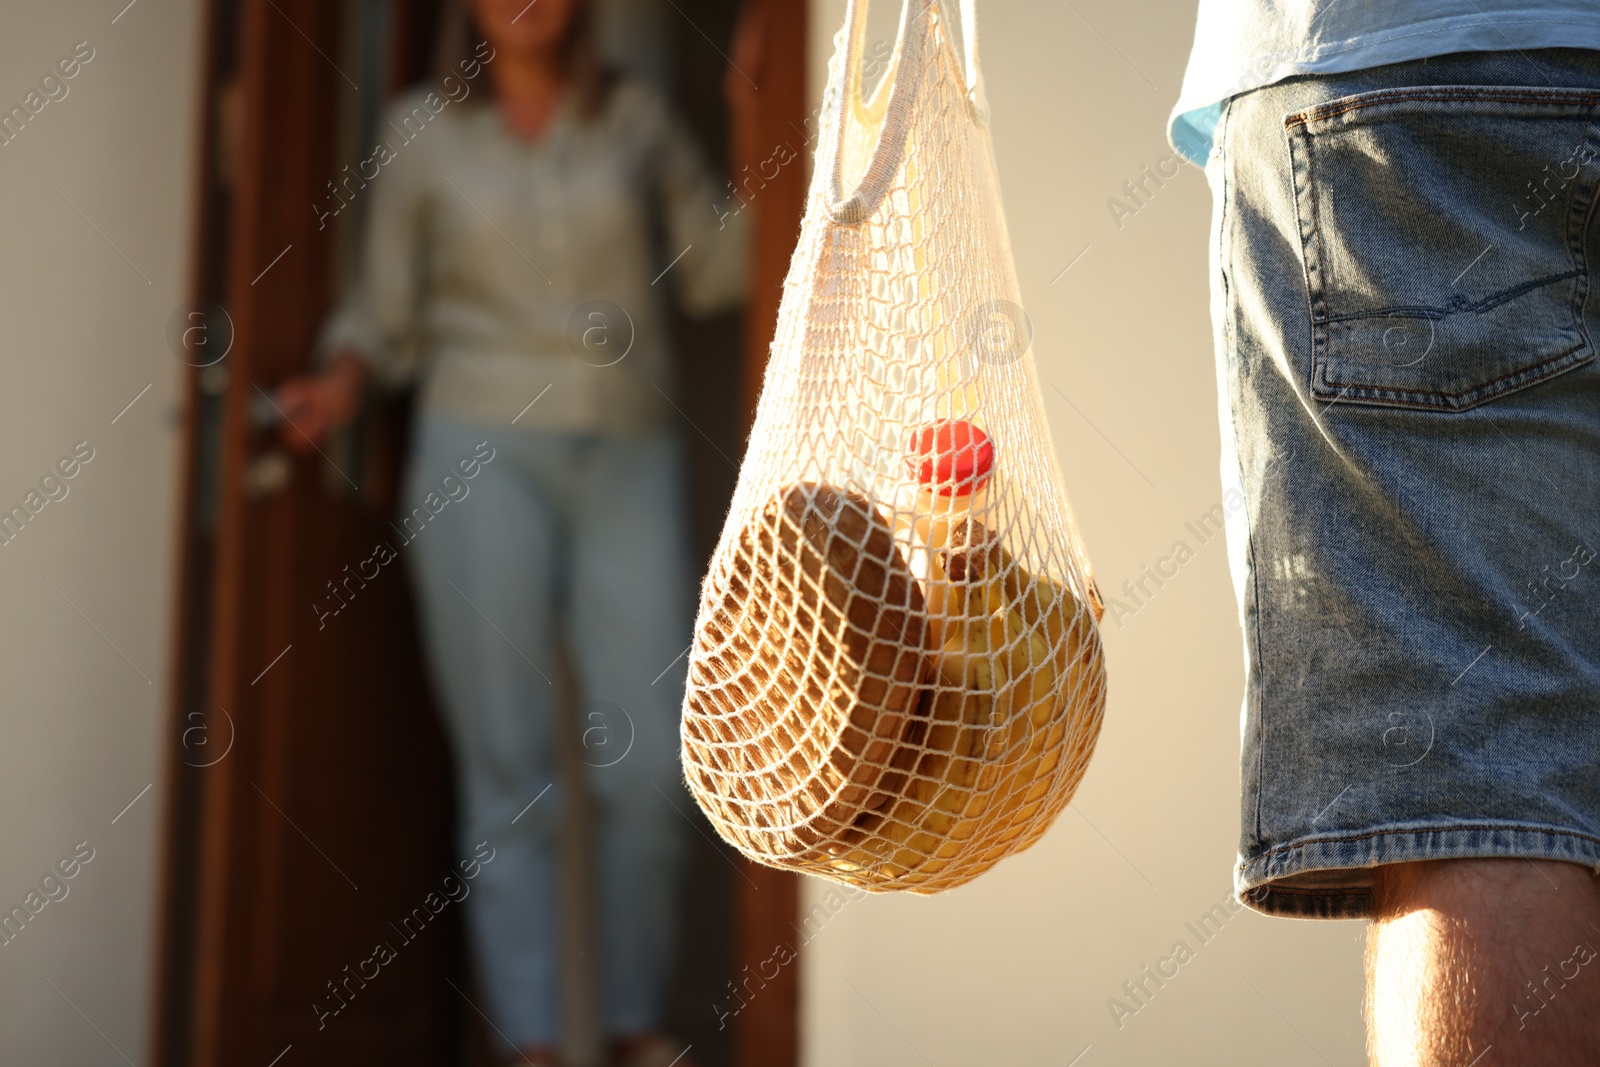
(1488, 303)
(1420, 832)
(1556, 364)
(1577, 233)
(1223, 252)
(1538, 96)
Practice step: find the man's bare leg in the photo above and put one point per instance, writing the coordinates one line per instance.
(1487, 963)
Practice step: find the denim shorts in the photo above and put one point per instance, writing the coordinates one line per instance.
(1410, 405)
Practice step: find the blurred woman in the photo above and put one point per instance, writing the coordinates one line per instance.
(510, 269)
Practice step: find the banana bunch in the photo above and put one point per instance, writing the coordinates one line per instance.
(980, 755)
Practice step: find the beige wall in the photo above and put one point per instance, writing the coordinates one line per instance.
(1016, 969)
(81, 334)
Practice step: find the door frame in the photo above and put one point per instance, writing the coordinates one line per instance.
(768, 1027)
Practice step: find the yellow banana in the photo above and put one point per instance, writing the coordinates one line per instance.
(982, 754)
(941, 760)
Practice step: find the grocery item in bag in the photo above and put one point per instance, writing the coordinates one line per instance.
(821, 624)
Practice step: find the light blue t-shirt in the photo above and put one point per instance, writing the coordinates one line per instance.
(1241, 45)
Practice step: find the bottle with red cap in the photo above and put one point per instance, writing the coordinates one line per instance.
(951, 461)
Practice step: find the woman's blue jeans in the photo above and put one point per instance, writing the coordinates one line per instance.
(582, 537)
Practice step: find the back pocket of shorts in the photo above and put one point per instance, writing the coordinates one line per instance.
(1443, 233)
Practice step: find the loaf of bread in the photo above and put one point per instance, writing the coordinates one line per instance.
(805, 674)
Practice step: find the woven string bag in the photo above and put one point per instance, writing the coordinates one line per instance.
(896, 678)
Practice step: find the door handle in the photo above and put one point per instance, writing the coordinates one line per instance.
(267, 473)
(270, 471)
(264, 411)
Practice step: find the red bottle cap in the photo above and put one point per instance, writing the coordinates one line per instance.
(952, 458)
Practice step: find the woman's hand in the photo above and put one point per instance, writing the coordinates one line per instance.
(315, 405)
(747, 55)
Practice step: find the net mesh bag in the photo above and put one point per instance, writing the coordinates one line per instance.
(896, 678)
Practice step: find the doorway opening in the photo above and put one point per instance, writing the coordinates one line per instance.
(311, 806)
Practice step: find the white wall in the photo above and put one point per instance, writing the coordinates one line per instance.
(1016, 969)
(81, 334)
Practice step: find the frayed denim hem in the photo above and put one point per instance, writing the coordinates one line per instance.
(1330, 876)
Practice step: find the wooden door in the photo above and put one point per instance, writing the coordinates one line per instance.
(308, 801)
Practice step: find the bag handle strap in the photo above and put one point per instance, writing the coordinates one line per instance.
(904, 86)
(977, 103)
